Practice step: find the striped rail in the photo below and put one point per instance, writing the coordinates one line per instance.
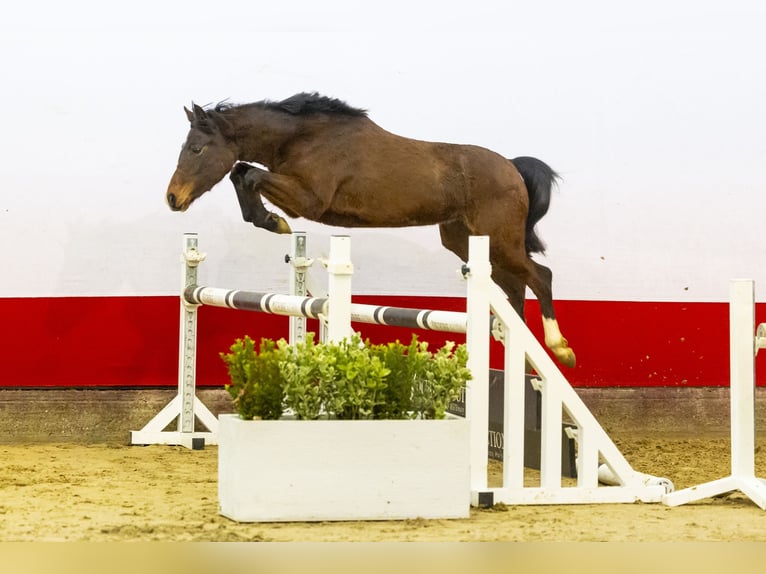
(317, 308)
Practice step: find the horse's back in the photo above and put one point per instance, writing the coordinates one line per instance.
(374, 177)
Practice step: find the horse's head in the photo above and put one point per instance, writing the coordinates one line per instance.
(206, 157)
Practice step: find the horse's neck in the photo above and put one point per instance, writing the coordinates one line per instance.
(262, 132)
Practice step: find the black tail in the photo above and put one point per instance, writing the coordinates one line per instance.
(539, 179)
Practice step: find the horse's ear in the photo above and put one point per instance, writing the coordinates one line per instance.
(199, 113)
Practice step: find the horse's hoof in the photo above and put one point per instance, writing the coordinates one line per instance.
(283, 227)
(565, 356)
(277, 224)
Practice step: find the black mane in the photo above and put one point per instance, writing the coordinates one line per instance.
(313, 103)
(302, 104)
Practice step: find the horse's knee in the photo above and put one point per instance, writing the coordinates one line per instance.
(245, 176)
(238, 172)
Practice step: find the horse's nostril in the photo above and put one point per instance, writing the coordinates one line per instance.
(172, 200)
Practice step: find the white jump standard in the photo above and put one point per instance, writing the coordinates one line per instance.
(487, 311)
(596, 451)
(744, 346)
(185, 406)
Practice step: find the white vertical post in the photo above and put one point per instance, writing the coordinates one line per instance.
(514, 392)
(298, 266)
(741, 327)
(187, 353)
(587, 458)
(477, 342)
(340, 269)
(550, 442)
(743, 345)
(185, 407)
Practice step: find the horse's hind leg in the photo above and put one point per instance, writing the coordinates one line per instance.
(541, 280)
(519, 267)
(251, 204)
(513, 270)
(517, 271)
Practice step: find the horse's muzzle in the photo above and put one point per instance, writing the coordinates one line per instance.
(175, 203)
(179, 194)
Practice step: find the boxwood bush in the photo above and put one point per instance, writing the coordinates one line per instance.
(351, 379)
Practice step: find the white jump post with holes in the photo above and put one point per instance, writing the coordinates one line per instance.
(744, 347)
(185, 406)
(299, 265)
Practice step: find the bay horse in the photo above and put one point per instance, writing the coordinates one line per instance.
(330, 163)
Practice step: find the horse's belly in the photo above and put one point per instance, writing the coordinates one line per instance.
(389, 215)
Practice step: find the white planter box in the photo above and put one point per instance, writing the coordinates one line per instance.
(290, 470)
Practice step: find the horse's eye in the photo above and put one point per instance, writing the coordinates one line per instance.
(195, 149)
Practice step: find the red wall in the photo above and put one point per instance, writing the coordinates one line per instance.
(133, 341)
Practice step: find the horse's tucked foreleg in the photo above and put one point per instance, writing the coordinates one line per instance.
(250, 202)
(289, 193)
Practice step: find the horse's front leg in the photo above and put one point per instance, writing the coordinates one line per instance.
(293, 195)
(245, 178)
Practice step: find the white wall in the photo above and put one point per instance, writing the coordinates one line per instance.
(653, 113)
